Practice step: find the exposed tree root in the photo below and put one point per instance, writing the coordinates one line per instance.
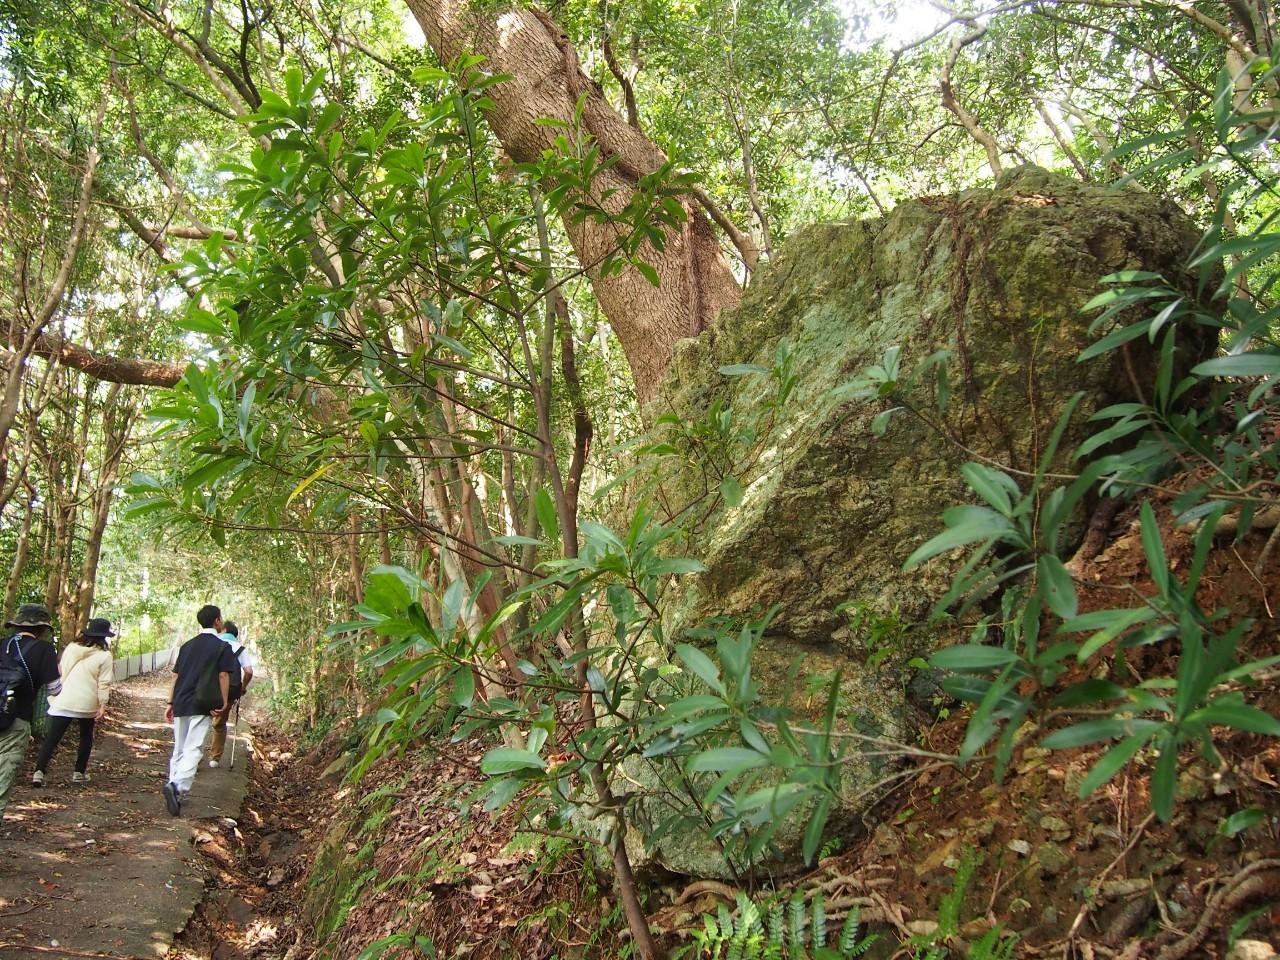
(1256, 880)
(699, 887)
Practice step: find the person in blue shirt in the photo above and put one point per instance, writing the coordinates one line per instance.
(239, 683)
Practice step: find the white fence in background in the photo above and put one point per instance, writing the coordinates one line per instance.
(126, 667)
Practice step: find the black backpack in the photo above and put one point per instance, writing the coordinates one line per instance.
(237, 678)
(13, 674)
(208, 695)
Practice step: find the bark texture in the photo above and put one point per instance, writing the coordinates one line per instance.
(696, 282)
(104, 366)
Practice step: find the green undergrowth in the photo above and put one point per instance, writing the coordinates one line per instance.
(410, 850)
(344, 862)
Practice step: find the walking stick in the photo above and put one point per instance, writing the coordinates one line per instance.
(235, 735)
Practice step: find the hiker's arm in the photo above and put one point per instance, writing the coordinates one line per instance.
(105, 672)
(51, 673)
(246, 674)
(173, 686)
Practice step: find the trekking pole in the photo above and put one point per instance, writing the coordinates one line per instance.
(235, 735)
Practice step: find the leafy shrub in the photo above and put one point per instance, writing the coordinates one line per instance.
(1214, 425)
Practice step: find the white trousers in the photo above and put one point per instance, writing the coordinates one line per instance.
(188, 748)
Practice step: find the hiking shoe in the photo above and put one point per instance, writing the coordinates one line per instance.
(171, 798)
(37, 778)
(213, 764)
(79, 777)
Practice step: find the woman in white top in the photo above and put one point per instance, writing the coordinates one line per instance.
(86, 684)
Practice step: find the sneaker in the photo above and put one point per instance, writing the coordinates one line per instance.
(213, 764)
(79, 777)
(37, 778)
(171, 799)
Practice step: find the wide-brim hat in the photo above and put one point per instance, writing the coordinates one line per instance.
(99, 627)
(31, 615)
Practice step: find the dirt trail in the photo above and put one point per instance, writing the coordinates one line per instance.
(102, 870)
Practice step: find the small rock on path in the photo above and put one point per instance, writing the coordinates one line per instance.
(101, 869)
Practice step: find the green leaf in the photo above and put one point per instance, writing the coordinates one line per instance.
(813, 832)
(752, 736)
(1240, 821)
(464, 687)
(994, 486)
(246, 408)
(1153, 546)
(972, 657)
(880, 422)
(1092, 731)
(731, 490)
(677, 565)
(455, 345)
(1112, 762)
(309, 480)
(742, 369)
(1240, 365)
(1239, 716)
(1129, 276)
(201, 321)
(1114, 623)
(140, 508)
(1059, 590)
(1109, 435)
(509, 760)
(1114, 339)
(546, 512)
(700, 664)
(1089, 692)
(973, 530)
(648, 272)
(726, 759)
(513, 540)
(1164, 779)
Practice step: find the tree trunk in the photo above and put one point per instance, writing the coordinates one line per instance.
(356, 589)
(546, 82)
(116, 424)
(19, 559)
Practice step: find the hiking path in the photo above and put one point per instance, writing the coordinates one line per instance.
(102, 869)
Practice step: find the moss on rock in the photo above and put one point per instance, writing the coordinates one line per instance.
(829, 512)
(998, 278)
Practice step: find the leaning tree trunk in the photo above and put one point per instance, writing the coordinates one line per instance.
(546, 82)
(116, 424)
(19, 559)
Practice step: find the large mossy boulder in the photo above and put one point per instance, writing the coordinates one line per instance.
(828, 512)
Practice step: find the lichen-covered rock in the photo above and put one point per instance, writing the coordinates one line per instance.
(828, 512)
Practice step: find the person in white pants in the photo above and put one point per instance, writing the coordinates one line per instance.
(201, 691)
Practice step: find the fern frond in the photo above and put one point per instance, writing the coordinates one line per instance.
(748, 916)
(818, 923)
(796, 924)
(849, 933)
(776, 932)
